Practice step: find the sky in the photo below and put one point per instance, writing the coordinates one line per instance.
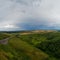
(29, 15)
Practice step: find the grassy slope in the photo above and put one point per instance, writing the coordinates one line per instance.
(17, 49)
(39, 38)
(31, 51)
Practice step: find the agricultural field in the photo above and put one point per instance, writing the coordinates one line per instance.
(30, 45)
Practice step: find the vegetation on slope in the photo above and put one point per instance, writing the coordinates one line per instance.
(32, 46)
(17, 49)
(48, 42)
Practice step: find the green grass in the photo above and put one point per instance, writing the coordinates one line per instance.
(47, 42)
(32, 52)
(36, 46)
(17, 49)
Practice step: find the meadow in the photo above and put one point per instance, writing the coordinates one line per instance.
(30, 45)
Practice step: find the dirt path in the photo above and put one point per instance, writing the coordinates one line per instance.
(4, 41)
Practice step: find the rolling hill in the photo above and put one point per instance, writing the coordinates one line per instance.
(31, 45)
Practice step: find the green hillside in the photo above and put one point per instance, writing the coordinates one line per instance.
(17, 49)
(33, 45)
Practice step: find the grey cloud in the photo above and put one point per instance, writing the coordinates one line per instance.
(27, 13)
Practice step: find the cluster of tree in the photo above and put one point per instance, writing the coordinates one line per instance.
(50, 47)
